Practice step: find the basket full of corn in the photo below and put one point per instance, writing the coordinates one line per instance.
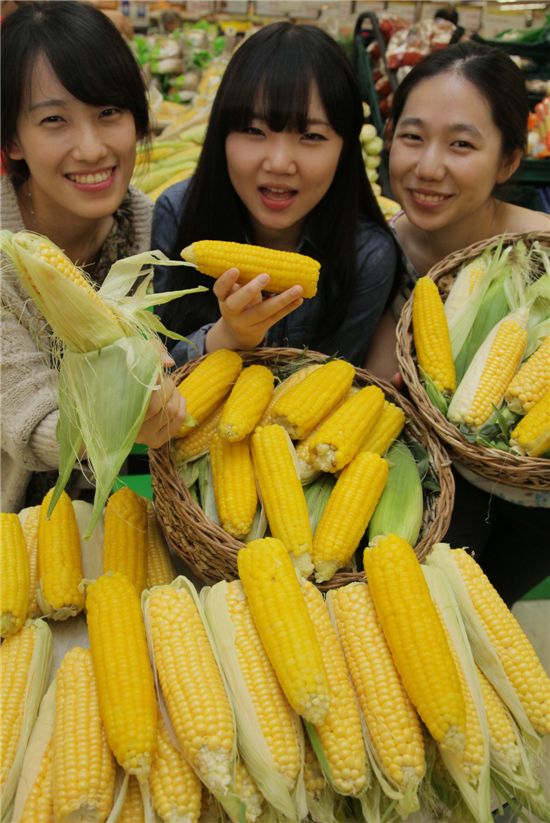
(474, 350)
(299, 446)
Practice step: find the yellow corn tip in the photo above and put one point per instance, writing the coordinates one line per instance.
(160, 570)
(300, 409)
(431, 335)
(209, 384)
(83, 766)
(517, 655)
(59, 560)
(246, 790)
(38, 806)
(347, 513)
(198, 440)
(285, 268)
(532, 434)
(124, 678)
(234, 484)
(314, 779)
(386, 429)
(53, 256)
(282, 493)
(275, 717)
(393, 724)
(283, 387)
(132, 810)
(16, 654)
(532, 381)
(14, 582)
(246, 403)
(192, 685)
(175, 788)
(340, 734)
(502, 734)
(339, 437)
(30, 531)
(284, 625)
(125, 536)
(416, 637)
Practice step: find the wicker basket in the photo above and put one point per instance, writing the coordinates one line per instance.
(211, 553)
(519, 479)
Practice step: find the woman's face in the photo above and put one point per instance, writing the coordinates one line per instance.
(80, 157)
(281, 176)
(446, 153)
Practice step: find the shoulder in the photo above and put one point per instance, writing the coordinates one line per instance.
(11, 218)
(373, 240)
(173, 198)
(520, 219)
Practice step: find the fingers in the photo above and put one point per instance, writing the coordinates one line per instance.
(165, 415)
(225, 283)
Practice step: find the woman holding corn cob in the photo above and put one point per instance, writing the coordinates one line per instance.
(73, 107)
(281, 168)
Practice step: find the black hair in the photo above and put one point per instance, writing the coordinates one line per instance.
(271, 74)
(87, 53)
(447, 13)
(492, 72)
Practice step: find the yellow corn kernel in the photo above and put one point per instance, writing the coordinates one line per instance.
(417, 640)
(285, 268)
(284, 625)
(127, 699)
(532, 381)
(125, 536)
(340, 733)
(83, 766)
(347, 513)
(198, 440)
(300, 409)
(246, 403)
(59, 560)
(175, 788)
(338, 439)
(502, 734)
(393, 724)
(385, 430)
(282, 493)
(532, 434)
(132, 810)
(14, 582)
(464, 285)
(160, 570)
(38, 806)
(247, 791)
(30, 531)
(314, 778)
(208, 385)
(51, 254)
(283, 387)
(234, 484)
(431, 335)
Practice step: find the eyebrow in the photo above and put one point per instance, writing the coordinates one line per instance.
(455, 127)
(310, 122)
(46, 104)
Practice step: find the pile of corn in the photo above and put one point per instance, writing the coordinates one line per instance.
(166, 162)
(484, 353)
(315, 460)
(260, 699)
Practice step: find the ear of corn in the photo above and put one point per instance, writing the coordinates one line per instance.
(209, 384)
(416, 638)
(248, 793)
(197, 442)
(246, 403)
(283, 387)
(465, 284)
(234, 484)
(400, 508)
(59, 560)
(125, 536)
(532, 381)
(388, 426)
(431, 336)
(131, 809)
(532, 434)
(160, 570)
(14, 583)
(285, 269)
(175, 788)
(347, 513)
(282, 494)
(284, 625)
(30, 519)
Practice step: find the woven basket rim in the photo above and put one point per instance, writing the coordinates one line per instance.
(211, 553)
(500, 467)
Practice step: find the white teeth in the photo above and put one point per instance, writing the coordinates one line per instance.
(277, 191)
(428, 198)
(88, 179)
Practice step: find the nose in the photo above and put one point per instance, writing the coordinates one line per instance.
(279, 156)
(89, 144)
(430, 163)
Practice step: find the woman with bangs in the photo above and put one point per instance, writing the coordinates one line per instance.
(74, 106)
(281, 167)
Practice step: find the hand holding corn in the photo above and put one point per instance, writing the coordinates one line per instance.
(165, 414)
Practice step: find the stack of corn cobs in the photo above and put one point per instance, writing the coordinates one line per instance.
(258, 699)
(484, 354)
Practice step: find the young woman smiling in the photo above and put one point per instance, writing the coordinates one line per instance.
(73, 107)
(281, 167)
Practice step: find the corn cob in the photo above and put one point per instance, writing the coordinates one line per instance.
(30, 531)
(132, 810)
(125, 536)
(14, 584)
(532, 381)
(431, 336)
(282, 493)
(283, 387)
(338, 439)
(198, 440)
(191, 683)
(247, 791)
(234, 484)
(465, 284)
(340, 734)
(503, 736)
(393, 724)
(175, 788)
(400, 509)
(246, 403)
(285, 269)
(38, 806)
(482, 388)
(416, 638)
(385, 430)
(532, 434)
(59, 560)
(284, 625)
(347, 513)
(126, 690)
(160, 570)
(83, 766)
(208, 385)
(300, 409)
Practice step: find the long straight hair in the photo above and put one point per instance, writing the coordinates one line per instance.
(271, 75)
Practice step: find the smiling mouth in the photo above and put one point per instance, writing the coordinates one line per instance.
(274, 193)
(90, 179)
(430, 199)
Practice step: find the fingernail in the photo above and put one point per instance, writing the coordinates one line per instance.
(263, 279)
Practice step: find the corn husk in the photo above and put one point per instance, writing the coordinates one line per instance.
(401, 505)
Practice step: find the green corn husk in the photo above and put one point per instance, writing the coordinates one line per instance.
(317, 495)
(401, 505)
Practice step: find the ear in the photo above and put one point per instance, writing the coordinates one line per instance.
(509, 165)
(14, 150)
